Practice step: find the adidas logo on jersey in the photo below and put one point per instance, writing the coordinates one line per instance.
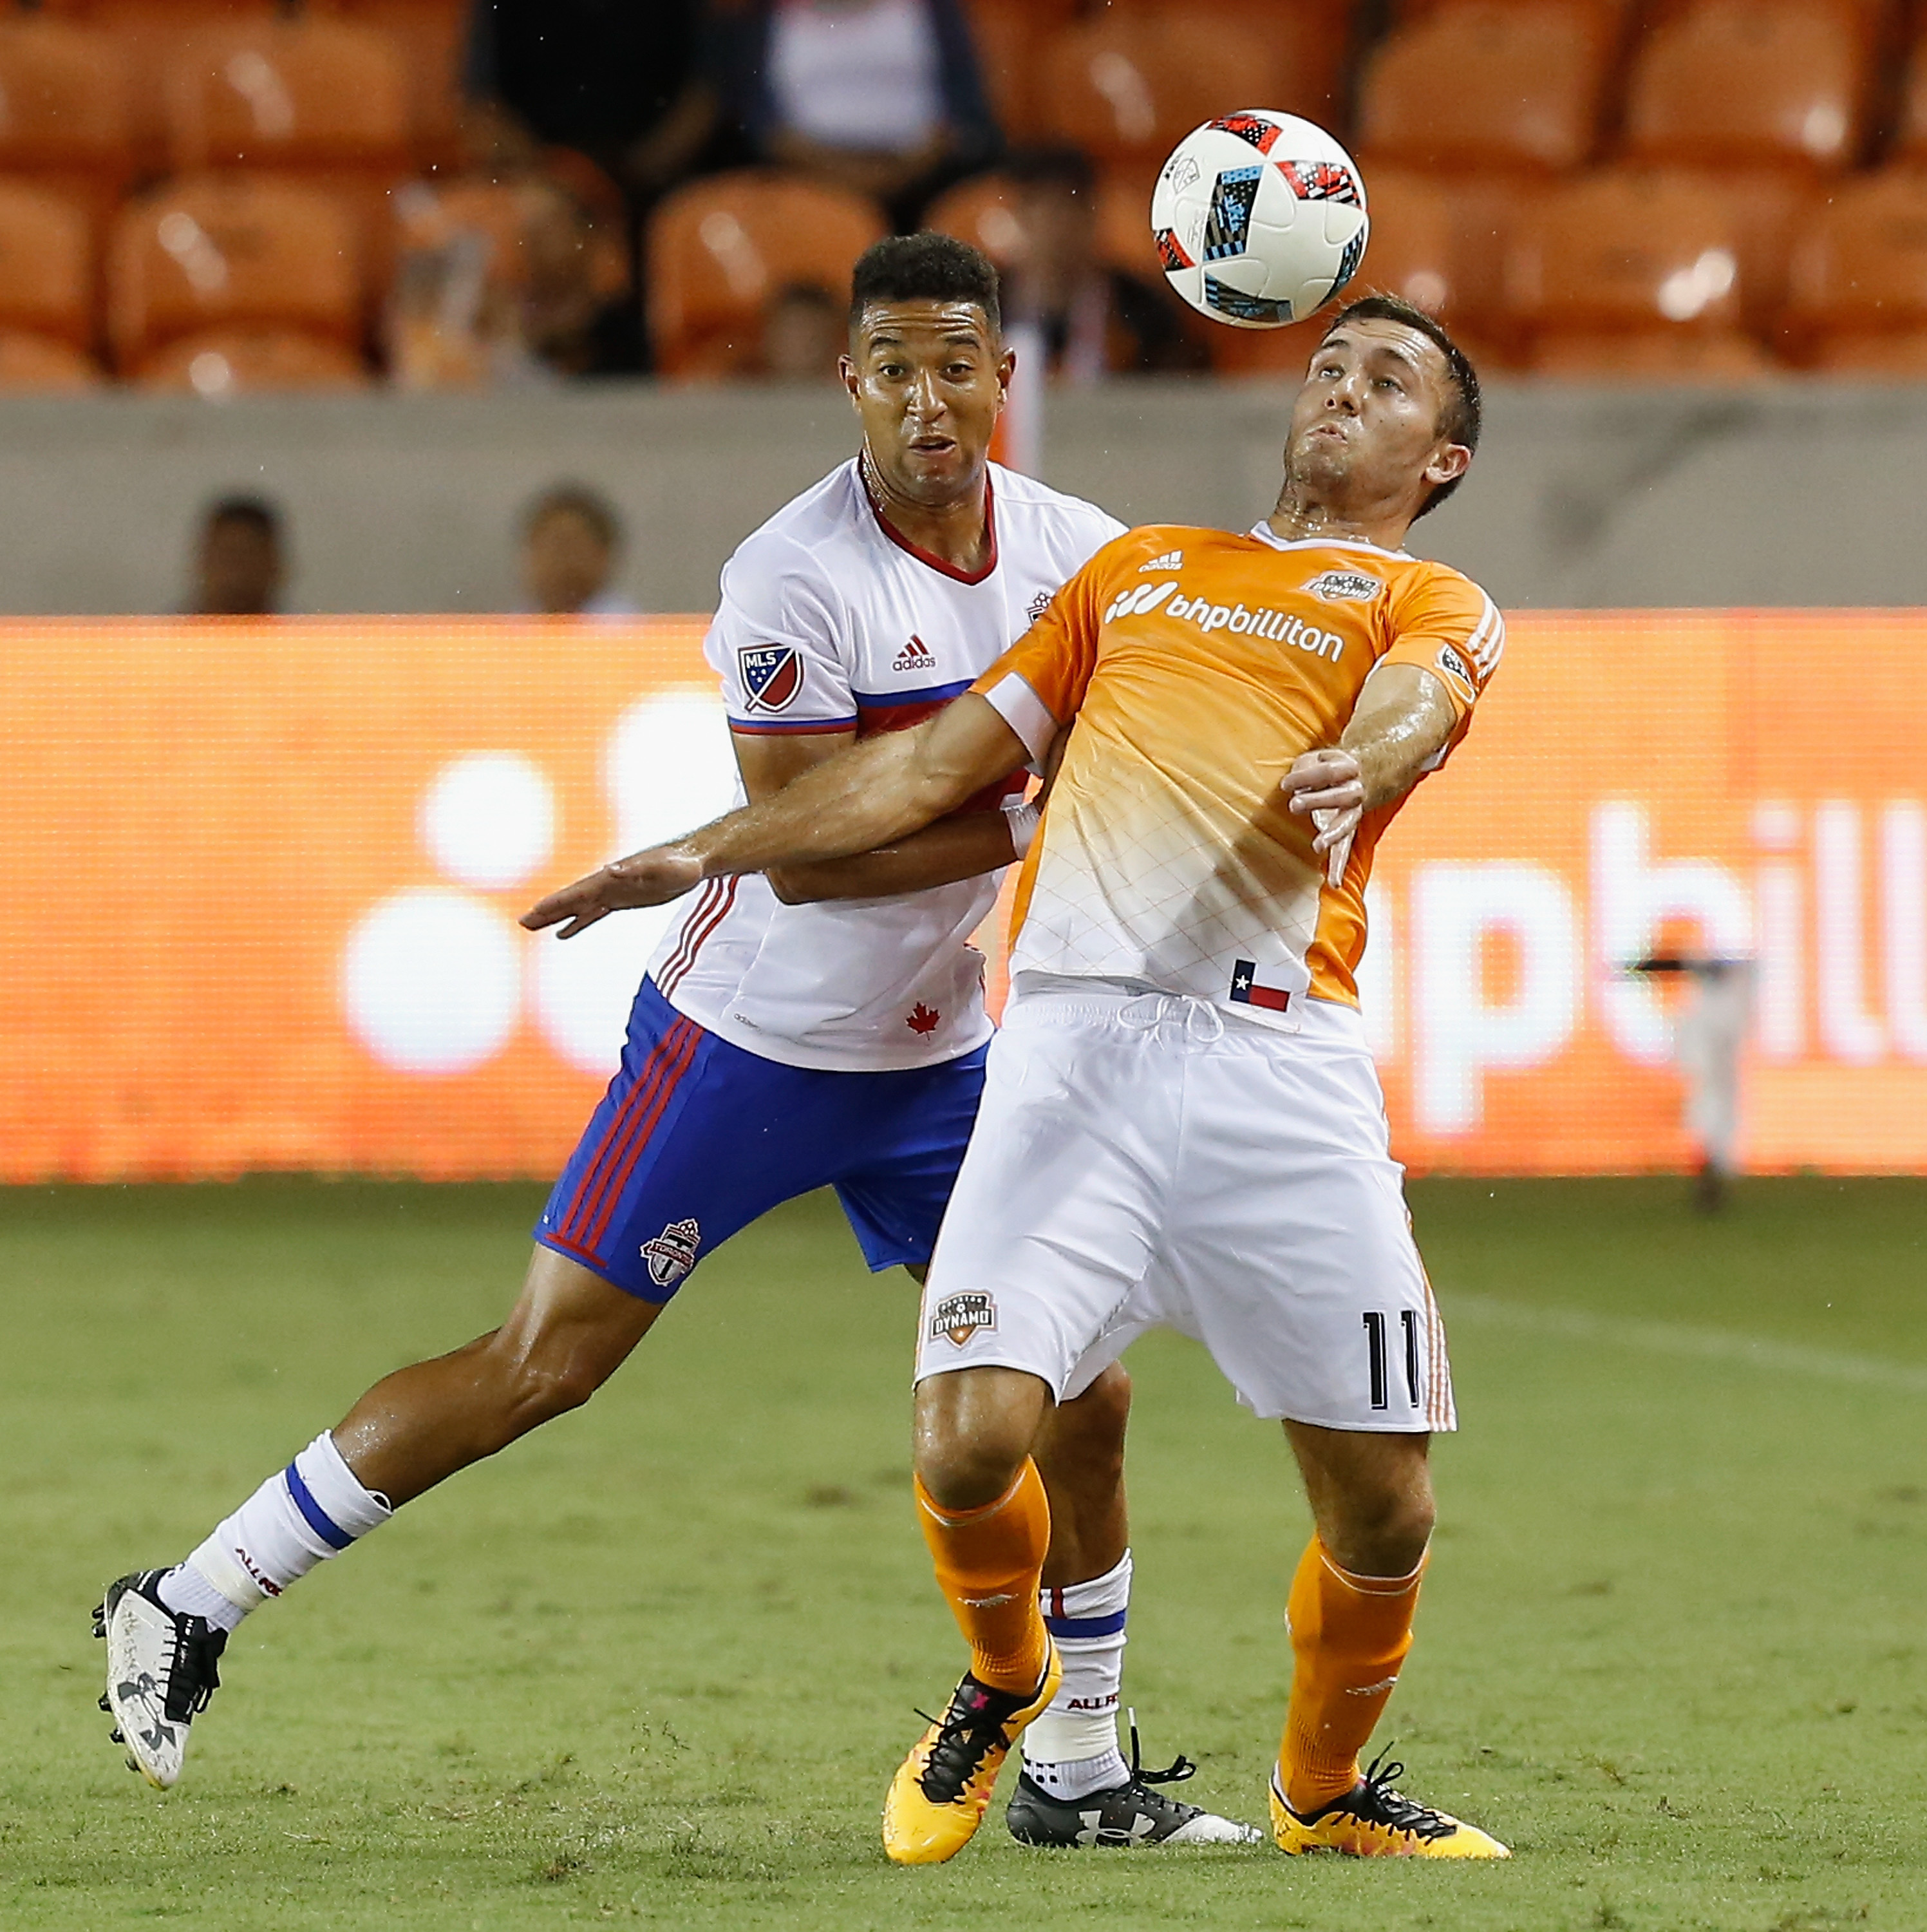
(915, 655)
(1172, 560)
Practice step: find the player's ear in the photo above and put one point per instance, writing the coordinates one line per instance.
(1006, 369)
(1449, 462)
(846, 367)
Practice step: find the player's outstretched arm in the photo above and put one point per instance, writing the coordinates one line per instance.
(874, 792)
(1404, 720)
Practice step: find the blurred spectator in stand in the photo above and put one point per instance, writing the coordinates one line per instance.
(613, 80)
(804, 330)
(570, 539)
(239, 566)
(518, 288)
(884, 96)
(1092, 320)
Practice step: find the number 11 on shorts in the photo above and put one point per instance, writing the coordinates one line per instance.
(1374, 1342)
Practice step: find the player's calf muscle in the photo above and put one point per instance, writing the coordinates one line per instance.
(563, 1341)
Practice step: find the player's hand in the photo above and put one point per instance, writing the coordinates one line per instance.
(1329, 787)
(652, 877)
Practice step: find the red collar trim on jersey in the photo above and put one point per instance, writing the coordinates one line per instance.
(924, 556)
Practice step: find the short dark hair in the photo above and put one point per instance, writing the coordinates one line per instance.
(256, 512)
(576, 499)
(923, 267)
(1463, 412)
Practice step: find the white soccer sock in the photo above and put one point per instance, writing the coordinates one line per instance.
(1071, 1749)
(312, 1510)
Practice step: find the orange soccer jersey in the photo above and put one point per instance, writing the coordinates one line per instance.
(1198, 666)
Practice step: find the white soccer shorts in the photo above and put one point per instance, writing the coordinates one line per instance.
(1145, 1159)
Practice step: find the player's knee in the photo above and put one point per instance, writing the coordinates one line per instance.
(967, 1475)
(541, 1383)
(973, 1431)
(1383, 1530)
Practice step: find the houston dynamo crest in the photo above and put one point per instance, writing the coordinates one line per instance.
(772, 674)
(960, 1316)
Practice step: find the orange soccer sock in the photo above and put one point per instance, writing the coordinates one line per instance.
(1349, 1635)
(988, 1561)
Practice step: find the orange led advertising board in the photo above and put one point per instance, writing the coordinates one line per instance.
(258, 894)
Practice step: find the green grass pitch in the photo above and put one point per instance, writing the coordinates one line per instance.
(655, 1664)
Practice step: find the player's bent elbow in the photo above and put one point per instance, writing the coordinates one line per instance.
(790, 889)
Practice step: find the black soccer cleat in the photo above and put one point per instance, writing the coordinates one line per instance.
(161, 1673)
(1128, 1814)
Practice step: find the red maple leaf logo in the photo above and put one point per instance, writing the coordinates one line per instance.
(922, 1018)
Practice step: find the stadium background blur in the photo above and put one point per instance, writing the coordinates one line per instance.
(398, 268)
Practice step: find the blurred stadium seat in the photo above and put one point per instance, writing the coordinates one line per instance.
(230, 250)
(432, 35)
(983, 211)
(65, 91)
(1724, 357)
(1749, 83)
(1125, 86)
(1009, 37)
(1858, 276)
(719, 248)
(1631, 270)
(1909, 143)
(1892, 355)
(323, 98)
(1488, 84)
(151, 34)
(220, 363)
(39, 363)
(47, 264)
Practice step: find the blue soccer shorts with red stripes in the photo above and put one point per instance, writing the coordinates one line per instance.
(696, 1138)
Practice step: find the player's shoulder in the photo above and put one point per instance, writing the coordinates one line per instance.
(1431, 573)
(1022, 499)
(1157, 546)
(800, 542)
(1425, 584)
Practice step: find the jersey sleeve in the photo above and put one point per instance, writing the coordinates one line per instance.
(1446, 624)
(1038, 685)
(779, 644)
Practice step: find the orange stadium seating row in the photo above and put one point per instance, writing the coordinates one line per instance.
(202, 191)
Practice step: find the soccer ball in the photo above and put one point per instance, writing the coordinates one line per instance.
(1259, 218)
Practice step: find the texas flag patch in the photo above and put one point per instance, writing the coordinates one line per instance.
(1248, 988)
(772, 674)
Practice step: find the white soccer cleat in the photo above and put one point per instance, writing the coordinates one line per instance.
(161, 1673)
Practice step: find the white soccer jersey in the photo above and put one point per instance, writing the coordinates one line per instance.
(831, 621)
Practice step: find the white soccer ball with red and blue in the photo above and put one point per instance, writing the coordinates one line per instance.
(1259, 218)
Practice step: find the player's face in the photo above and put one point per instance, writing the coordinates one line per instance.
(928, 379)
(1365, 429)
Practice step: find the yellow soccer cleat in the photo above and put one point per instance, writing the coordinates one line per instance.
(1373, 1821)
(938, 1797)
